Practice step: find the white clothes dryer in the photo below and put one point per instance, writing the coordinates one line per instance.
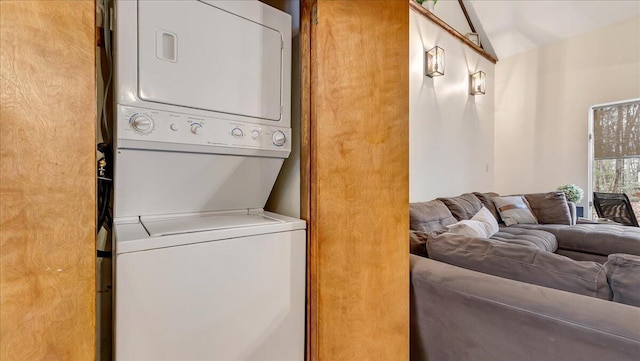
(225, 59)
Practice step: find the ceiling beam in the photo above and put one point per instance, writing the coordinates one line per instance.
(429, 15)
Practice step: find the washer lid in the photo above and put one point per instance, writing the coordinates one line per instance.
(157, 226)
(131, 235)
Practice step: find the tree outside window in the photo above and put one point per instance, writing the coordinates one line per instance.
(616, 151)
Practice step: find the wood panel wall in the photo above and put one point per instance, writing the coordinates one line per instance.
(355, 152)
(47, 180)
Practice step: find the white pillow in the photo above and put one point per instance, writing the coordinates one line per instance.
(470, 228)
(485, 216)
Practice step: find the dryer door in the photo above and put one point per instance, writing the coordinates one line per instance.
(194, 54)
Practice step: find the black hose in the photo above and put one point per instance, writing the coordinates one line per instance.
(105, 176)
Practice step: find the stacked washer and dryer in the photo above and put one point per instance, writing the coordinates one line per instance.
(202, 272)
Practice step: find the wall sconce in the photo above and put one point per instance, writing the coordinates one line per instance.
(474, 37)
(434, 62)
(478, 83)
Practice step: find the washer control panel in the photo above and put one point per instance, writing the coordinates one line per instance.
(167, 127)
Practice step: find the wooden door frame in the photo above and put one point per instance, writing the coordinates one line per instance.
(306, 144)
(309, 188)
(47, 180)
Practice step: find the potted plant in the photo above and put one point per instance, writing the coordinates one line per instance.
(427, 4)
(572, 192)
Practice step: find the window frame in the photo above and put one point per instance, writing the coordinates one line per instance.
(591, 157)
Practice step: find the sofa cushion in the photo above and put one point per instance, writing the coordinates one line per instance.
(519, 263)
(514, 210)
(549, 207)
(573, 211)
(418, 243)
(599, 239)
(541, 240)
(582, 256)
(463, 206)
(623, 273)
(429, 216)
(485, 199)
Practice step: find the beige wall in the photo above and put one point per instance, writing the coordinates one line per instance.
(542, 103)
(450, 131)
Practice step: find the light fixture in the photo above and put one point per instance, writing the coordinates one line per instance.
(434, 62)
(474, 37)
(478, 83)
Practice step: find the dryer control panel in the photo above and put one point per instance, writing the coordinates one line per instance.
(161, 130)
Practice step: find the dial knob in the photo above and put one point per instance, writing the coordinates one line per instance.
(237, 132)
(141, 123)
(196, 129)
(278, 138)
(255, 134)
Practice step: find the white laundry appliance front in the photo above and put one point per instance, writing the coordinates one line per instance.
(202, 128)
(210, 287)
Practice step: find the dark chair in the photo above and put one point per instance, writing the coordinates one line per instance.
(615, 207)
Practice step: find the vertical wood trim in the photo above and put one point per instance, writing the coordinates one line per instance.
(306, 12)
(358, 180)
(47, 180)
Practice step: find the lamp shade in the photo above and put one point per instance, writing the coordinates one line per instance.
(478, 83)
(434, 62)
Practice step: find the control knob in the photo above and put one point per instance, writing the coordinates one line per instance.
(141, 123)
(237, 133)
(278, 138)
(196, 128)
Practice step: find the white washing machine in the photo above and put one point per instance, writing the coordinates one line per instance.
(202, 272)
(218, 286)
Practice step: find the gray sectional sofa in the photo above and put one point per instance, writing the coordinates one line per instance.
(550, 290)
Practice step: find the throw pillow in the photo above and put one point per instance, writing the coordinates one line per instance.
(549, 208)
(623, 272)
(470, 228)
(485, 216)
(463, 206)
(429, 216)
(485, 199)
(514, 210)
(524, 264)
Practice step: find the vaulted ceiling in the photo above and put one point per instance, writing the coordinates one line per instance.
(510, 27)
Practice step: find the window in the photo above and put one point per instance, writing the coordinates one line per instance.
(615, 150)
